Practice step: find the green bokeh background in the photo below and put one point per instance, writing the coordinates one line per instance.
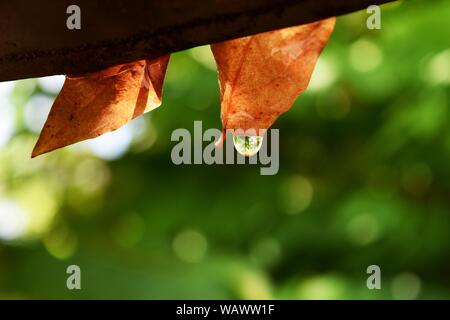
(364, 179)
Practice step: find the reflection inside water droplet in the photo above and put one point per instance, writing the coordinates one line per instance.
(247, 146)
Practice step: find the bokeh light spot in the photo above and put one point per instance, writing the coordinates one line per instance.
(365, 55)
(204, 56)
(36, 112)
(324, 75)
(363, 229)
(41, 201)
(61, 243)
(296, 194)
(13, 220)
(190, 246)
(91, 175)
(266, 252)
(254, 286)
(406, 286)
(326, 287)
(7, 121)
(438, 68)
(51, 84)
(6, 88)
(112, 145)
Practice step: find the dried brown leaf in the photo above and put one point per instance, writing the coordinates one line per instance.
(261, 76)
(94, 104)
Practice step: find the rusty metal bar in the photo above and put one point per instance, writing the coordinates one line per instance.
(34, 39)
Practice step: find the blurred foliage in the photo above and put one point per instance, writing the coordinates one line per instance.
(364, 179)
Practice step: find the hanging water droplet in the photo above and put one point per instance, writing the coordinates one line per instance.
(248, 146)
